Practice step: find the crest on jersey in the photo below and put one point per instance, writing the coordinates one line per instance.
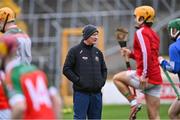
(84, 58)
(97, 58)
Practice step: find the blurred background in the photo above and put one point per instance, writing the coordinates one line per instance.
(55, 25)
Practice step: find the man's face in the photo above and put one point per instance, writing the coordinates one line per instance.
(93, 38)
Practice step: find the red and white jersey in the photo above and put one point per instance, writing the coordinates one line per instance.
(3, 98)
(145, 52)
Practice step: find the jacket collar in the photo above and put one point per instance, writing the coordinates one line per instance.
(86, 46)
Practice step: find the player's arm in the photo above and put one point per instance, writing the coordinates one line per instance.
(28, 49)
(16, 99)
(25, 48)
(145, 51)
(56, 101)
(18, 107)
(144, 43)
(174, 64)
(171, 66)
(17, 103)
(131, 55)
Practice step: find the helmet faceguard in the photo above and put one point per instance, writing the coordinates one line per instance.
(144, 14)
(174, 28)
(6, 16)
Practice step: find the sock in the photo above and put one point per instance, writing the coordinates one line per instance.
(133, 102)
(129, 96)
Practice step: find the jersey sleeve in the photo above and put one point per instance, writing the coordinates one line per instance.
(145, 50)
(14, 88)
(174, 64)
(16, 98)
(131, 55)
(24, 50)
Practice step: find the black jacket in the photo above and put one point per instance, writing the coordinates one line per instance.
(86, 68)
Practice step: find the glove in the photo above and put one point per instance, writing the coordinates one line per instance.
(162, 62)
(160, 59)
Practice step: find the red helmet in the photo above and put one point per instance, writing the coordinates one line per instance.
(8, 45)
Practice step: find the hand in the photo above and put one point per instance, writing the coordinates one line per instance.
(143, 82)
(125, 52)
(163, 63)
(160, 59)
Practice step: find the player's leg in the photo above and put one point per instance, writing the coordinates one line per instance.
(153, 105)
(152, 97)
(174, 110)
(122, 81)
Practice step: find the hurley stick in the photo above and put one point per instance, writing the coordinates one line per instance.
(172, 83)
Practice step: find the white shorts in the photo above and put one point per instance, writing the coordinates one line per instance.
(151, 89)
(5, 114)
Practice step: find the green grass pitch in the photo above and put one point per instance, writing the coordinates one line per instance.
(122, 112)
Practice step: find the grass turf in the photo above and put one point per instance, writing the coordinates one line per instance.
(122, 112)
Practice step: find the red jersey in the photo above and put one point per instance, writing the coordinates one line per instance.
(145, 52)
(29, 84)
(3, 98)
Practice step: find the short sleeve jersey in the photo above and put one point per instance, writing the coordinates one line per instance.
(24, 44)
(26, 82)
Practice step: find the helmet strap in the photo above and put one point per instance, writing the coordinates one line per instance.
(148, 23)
(146, 19)
(5, 22)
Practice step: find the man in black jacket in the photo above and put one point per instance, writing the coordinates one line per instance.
(86, 68)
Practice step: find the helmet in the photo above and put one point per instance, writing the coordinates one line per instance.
(6, 13)
(147, 12)
(174, 24)
(8, 45)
